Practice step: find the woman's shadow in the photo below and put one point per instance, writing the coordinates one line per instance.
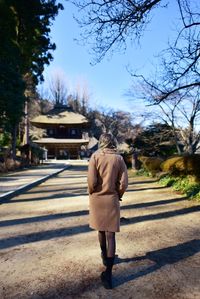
(157, 259)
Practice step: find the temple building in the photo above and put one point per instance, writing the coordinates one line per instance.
(65, 133)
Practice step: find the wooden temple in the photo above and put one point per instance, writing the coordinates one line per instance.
(65, 133)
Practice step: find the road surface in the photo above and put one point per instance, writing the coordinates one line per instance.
(48, 251)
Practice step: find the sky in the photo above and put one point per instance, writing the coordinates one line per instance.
(109, 80)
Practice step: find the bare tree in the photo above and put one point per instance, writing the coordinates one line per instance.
(108, 24)
(82, 95)
(179, 66)
(176, 90)
(58, 88)
(181, 112)
(79, 99)
(111, 22)
(175, 87)
(119, 123)
(183, 115)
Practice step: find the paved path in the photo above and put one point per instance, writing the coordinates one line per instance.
(48, 251)
(12, 184)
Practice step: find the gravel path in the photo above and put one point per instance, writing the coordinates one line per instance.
(48, 251)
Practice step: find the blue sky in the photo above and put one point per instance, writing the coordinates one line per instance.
(108, 80)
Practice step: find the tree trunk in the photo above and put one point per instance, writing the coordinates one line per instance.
(178, 148)
(26, 124)
(14, 141)
(177, 142)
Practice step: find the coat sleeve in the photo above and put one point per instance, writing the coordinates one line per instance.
(92, 175)
(123, 178)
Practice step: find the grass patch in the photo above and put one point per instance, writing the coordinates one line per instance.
(167, 181)
(182, 184)
(143, 172)
(197, 196)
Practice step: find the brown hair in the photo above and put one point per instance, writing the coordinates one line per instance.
(107, 140)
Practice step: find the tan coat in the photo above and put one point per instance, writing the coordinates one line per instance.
(107, 182)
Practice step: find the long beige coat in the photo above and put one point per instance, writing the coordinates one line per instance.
(107, 182)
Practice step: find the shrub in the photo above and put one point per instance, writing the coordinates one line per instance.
(185, 185)
(193, 191)
(5, 139)
(151, 164)
(197, 196)
(2, 167)
(189, 165)
(18, 164)
(183, 165)
(169, 164)
(127, 159)
(10, 164)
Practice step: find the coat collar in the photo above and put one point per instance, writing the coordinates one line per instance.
(109, 151)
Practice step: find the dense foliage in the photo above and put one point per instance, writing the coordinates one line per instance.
(155, 140)
(25, 49)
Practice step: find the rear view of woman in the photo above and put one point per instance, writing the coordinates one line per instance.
(107, 182)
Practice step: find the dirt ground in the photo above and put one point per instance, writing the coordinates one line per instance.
(48, 251)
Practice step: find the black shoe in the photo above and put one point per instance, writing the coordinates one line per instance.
(104, 259)
(106, 279)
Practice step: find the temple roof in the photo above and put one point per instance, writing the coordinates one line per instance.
(60, 115)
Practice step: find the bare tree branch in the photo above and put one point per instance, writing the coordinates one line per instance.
(111, 22)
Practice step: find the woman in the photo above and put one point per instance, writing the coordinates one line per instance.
(107, 182)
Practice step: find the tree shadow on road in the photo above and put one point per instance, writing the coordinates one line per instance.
(143, 182)
(91, 283)
(43, 236)
(153, 203)
(72, 176)
(160, 258)
(57, 194)
(57, 216)
(50, 189)
(143, 189)
(162, 215)
(68, 231)
(43, 218)
(76, 168)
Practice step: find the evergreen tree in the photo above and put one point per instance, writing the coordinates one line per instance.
(25, 49)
